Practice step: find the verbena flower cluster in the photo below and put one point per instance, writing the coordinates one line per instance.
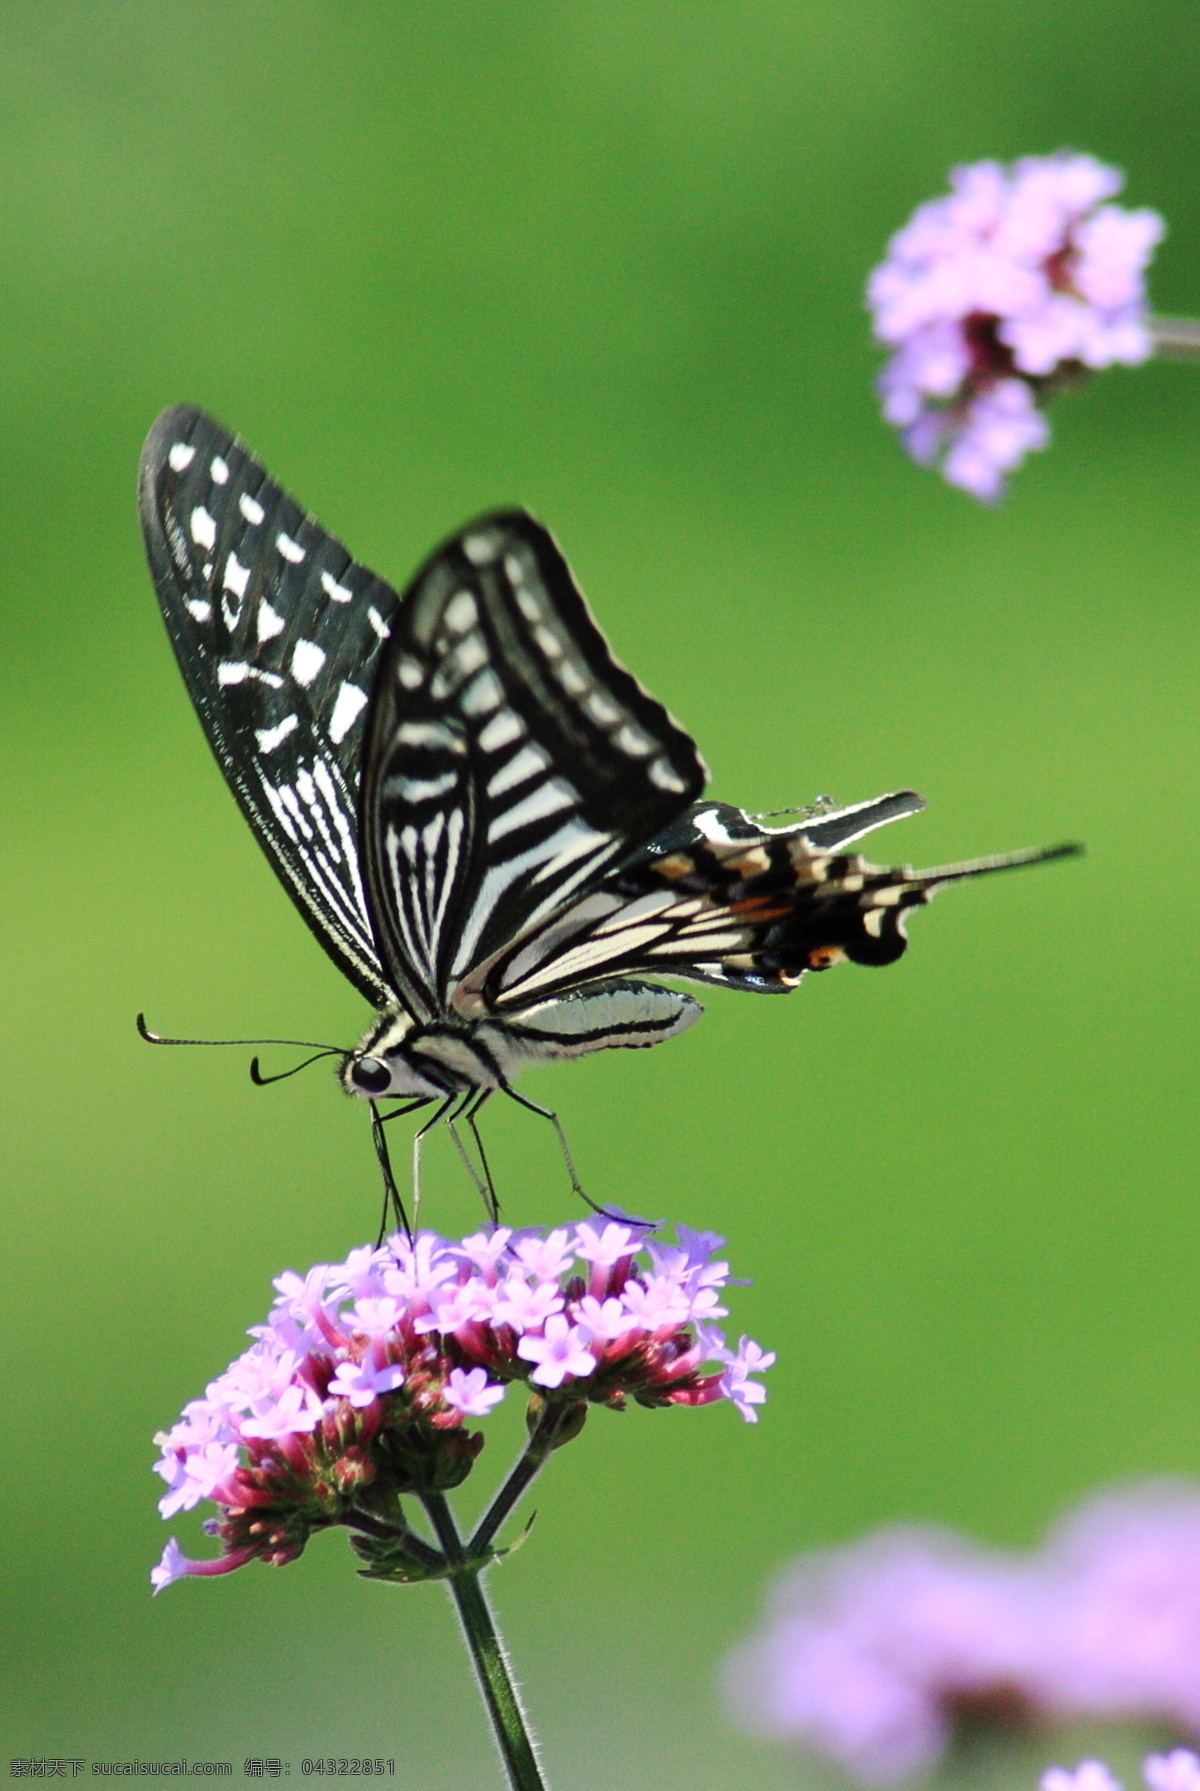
(1177, 1771)
(870, 1654)
(1018, 280)
(358, 1385)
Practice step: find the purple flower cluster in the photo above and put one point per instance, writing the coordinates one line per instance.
(1019, 279)
(1177, 1771)
(358, 1385)
(871, 1653)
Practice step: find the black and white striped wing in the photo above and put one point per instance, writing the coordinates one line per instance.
(510, 762)
(719, 899)
(279, 634)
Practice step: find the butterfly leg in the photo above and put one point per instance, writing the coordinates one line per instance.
(487, 1194)
(392, 1202)
(565, 1148)
(444, 1107)
(493, 1203)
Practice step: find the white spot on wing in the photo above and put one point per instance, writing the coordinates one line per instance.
(331, 587)
(633, 741)
(291, 550)
(269, 738)
(662, 774)
(180, 457)
(378, 624)
(429, 733)
(237, 576)
(270, 622)
(220, 470)
(601, 709)
(502, 730)
(411, 673)
(351, 701)
(708, 823)
(479, 549)
(461, 613)
(236, 671)
(307, 660)
(204, 528)
(470, 655)
(199, 608)
(483, 694)
(251, 509)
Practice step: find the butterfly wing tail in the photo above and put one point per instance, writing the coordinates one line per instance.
(864, 918)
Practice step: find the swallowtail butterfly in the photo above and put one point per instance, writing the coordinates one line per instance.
(492, 829)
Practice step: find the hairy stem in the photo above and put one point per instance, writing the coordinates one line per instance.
(488, 1656)
(528, 1465)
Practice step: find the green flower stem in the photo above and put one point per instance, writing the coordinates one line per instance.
(529, 1464)
(1175, 338)
(382, 1531)
(487, 1652)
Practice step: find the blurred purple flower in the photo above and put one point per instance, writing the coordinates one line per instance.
(358, 1384)
(1019, 280)
(871, 1653)
(1177, 1771)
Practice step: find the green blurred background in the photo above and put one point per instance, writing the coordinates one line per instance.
(606, 260)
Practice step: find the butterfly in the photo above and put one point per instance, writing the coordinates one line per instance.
(494, 831)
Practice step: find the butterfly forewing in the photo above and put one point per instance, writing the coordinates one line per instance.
(279, 634)
(510, 761)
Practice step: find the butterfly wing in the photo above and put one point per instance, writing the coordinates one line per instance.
(510, 761)
(278, 633)
(729, 904)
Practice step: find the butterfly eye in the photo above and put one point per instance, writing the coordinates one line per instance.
(370, 1075)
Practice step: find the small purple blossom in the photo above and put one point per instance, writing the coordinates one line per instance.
(357, 1387)
(736, 1383)
(1019, 280)
(361, 1382)
(471, 1393)
(561, 1350)
(871, 1653)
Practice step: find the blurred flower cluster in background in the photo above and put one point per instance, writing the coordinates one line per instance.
(873, 1654)
(1021, 279)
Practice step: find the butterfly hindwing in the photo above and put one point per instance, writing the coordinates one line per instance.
(509, 760)
(278, 633)
(718, 898)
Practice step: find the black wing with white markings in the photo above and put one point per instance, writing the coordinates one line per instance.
(510, 762)
(719, 899)
(279, 634)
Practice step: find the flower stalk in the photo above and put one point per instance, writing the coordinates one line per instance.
(1174, 338)
(489, 1657)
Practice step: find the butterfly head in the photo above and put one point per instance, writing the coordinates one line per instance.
(380, 1065)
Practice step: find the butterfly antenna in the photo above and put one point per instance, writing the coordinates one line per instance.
(157, 1038)
(261, 1081)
